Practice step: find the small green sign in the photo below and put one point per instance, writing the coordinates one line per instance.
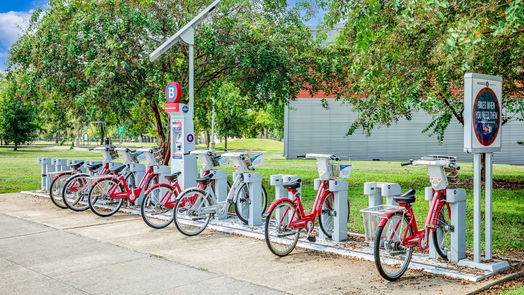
(121, 130)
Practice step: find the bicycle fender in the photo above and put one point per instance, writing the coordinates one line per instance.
(386, 217)
(154, 186)
(100, 179)
(276, 202)
(63, 173)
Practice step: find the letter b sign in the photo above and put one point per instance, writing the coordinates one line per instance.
(173, 92)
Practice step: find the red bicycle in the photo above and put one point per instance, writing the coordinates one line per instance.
(286, 217)
(159, 202)
(397, 233)
(108, 192)
(59, 180)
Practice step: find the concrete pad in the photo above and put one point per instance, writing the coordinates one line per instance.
(220, 286)
(246, 261)
(41, 286)
(142, 276)
(15, 227)
(54, 261)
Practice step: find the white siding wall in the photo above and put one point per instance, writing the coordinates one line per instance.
(309, 128)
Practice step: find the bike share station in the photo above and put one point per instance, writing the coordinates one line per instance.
(482, 113)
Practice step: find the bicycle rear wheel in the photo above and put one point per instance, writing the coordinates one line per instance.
(280, 238)
(76, 192)
(391, 257)
(442, 235)
(100, 200)
(158, 206)
(55, 190)
(190, 214)
(242, 202)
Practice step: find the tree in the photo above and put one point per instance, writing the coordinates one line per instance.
(17, 119)
(89, 59)
(231, 112)
(404, 56)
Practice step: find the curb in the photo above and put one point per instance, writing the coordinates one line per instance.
(507, 278)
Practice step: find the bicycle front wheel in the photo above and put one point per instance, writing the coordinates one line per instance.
(76, 191)
(326, 220)
(441, 236)
(243, 200)
(56, 188)
(280, 237)
(158, 206)
(100, 200)
(391, 257)
(192, 214)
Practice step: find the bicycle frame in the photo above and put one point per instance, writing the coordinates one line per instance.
(128, 193)
(76, 187)
(419, 236)
(230, 196)
(165, 199)
(304, 219)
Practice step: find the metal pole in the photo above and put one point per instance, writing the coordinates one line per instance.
(191, 80)
(489, 185)
(213, 124)
(477, 188)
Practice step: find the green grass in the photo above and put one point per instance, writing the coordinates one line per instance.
(515, 291)
(20, 171)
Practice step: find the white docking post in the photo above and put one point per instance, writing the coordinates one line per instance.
(220, 177)
(378, 190)
(339, 187)
(254, 182)
(457, 202)
(45, 169)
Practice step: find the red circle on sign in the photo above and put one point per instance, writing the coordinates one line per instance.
(484, 139)
(173, 92)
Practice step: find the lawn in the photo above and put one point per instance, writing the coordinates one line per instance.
(20, 171)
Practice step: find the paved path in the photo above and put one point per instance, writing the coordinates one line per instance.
(47, 250)
(38, 259)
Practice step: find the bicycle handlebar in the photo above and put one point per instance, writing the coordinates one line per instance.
(454, 166)
(335, 158)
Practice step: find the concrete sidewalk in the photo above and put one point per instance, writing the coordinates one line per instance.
(44, 249)
(38, 259)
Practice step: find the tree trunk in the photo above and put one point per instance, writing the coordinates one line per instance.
(208, 139)
(225, 143)
(16, 146)
(159, 127)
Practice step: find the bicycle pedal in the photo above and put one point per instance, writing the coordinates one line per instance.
(312, 239)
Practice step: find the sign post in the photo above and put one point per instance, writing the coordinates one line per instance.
(482, 135)
(182, 139)
(181, 115)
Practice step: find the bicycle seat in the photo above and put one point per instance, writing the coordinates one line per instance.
(174, 176)
(294, 184)
(118, 169)
(93, 166)
(407, 197)
(206, 179)
(77, 165)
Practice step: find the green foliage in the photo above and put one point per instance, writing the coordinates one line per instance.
(231, 111)
(17, 121)
(406, 56)
(88, 60)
